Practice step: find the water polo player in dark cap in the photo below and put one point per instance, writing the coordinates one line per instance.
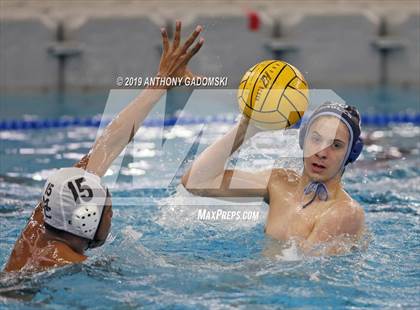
(311, 207)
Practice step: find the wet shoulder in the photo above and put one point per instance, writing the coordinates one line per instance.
(348, 214)
(347, 204)
(66, 255)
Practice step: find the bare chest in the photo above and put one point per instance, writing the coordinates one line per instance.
(286, 217)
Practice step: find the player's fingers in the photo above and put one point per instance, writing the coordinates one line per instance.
(177, 37)
(195, 49)
(165, 40)
(192, 38)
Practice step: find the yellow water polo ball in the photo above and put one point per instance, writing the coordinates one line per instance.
(273, 94)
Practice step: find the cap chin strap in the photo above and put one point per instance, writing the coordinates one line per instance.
(95, 243)
(319, 189)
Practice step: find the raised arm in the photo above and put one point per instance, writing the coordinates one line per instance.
(207, 175)
(121, 130)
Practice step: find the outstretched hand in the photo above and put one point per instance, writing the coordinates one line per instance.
(122, 129)
(175, 57)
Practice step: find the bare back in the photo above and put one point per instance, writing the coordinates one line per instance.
(32, 252)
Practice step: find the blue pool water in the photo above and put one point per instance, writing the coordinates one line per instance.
(159, 255)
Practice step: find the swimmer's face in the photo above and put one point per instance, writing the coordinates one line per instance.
(105, 224)
(325, 148)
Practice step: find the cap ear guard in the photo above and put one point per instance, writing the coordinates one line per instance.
(355, 151)
(86, 219)
(94, 243)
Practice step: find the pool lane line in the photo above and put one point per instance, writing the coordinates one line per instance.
(378, 120)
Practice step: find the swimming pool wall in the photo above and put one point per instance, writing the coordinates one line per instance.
(51, 47)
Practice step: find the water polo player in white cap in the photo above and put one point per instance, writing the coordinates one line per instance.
(75, 211)
(311, 208)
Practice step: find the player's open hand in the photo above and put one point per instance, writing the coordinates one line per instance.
(175, 56)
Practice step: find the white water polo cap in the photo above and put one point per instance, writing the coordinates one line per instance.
(73, 201)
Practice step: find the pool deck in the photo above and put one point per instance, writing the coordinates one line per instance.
(85, 45)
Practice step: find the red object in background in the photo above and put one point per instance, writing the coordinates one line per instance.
(253, 21)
